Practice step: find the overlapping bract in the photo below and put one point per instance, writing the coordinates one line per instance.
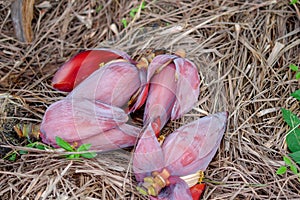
(103, 82)
(186, 151)
(92, 111)
(82, 65)
(88, 121)
(112, 84)
(172, 89)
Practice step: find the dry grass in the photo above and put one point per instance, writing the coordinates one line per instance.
(242, 49)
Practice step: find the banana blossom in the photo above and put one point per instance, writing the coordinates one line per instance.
(172, 89)
(88, 121)
(186, 151)
(92, 112)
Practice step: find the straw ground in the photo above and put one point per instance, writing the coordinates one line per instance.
(242, 49)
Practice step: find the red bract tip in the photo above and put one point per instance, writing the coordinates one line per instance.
(197, 191)
(82, 65)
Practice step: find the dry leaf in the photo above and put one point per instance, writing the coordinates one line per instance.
(22, 14)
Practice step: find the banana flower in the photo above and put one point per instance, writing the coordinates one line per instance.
(82, 65)
(186, 151)
(88, 121)
(172, 89)
(92, 111)
(114, 84)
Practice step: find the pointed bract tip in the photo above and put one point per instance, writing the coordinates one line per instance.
(83, 64)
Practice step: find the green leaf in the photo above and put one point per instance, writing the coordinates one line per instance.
(40, 146)
(294, 67)
(12, 157)
(84, 147)
(72, 156)
(124, 22)
(30, 145)
(287, 161)
(293, 140)
(89, 155)
(294, 169)
(63, 144)
(143, 5)
(281, 170)
(22, 152)
(99, 8)
(293, 137)
(133, 11)
(296, 94)
(290, 118)
(295, 156)
(293, 2)
(76, 156)
(298, 75)
(37, 145)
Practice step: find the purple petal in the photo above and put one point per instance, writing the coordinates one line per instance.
(142, 92)
(113, 84)
(178, 190)
(120, 137)
(157, 63)
(76, 119)
(191, 147)
(148, 156)
(161, 96)
(187, 90)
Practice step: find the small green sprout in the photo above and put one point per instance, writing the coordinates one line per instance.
(295, 68)
(12, 156)
(288, 163)
(133, 11)
(293, 2)
(124, 22)
(68, 147)
(296, 95)
(98, 8)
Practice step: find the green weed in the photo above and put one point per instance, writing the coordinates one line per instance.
(293, 2)
(292, 139)
(68, 147)
(133, 13)
(295, 68)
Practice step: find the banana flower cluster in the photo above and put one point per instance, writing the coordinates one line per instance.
(92, 112)
(105, 86)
